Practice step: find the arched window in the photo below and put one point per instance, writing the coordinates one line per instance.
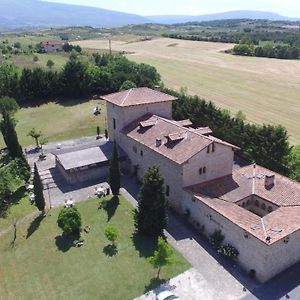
(257, 203)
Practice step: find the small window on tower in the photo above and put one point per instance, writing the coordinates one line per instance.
(114, 123)
(213, 147)
(167, 190)
(142, 153)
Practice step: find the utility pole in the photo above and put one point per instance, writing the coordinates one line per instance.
(109, 45)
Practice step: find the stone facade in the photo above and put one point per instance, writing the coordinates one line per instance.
(254, 254)
(118, 117)
(253, 216)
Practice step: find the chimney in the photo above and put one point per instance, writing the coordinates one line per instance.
(158, 142)
(269, 181)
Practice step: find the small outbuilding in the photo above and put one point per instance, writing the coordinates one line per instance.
(87, 164)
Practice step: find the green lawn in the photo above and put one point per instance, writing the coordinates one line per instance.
(19, 207)
(72, 119)
(44, 266)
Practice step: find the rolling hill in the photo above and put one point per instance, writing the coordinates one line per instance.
(35, 13)
(242, 14)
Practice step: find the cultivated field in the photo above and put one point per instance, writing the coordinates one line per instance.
(266, 90)
(60, 120)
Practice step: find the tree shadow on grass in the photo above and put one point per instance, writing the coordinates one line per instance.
(110, 206)
(64, 242)
(110, 250)
(145, 245)
(14, 199)
(34, 225)
(154, 283)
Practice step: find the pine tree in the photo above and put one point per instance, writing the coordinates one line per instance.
(38, 190)
(114, 172)
(151, 217)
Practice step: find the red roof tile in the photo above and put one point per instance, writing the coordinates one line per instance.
(137, 96)
(222, 195)
(178, 143)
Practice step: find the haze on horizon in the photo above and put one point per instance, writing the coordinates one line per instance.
(289, 8)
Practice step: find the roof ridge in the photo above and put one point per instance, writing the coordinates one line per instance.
(128, 92)
(212, 139)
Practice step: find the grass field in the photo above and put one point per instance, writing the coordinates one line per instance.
(26, 60)
(71, 119)
(43, 265)
(266, 90)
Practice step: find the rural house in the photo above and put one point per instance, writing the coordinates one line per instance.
(51, 46)
(257, 210)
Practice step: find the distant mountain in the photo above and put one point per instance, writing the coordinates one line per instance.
(35, 13)
(242, 14)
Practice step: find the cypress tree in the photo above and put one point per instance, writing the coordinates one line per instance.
(151, 217)
(38, 190)
(10, 136)
(114, 172)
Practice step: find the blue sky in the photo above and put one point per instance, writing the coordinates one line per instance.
(289, 8)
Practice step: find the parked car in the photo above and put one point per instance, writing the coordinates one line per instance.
(166, 295)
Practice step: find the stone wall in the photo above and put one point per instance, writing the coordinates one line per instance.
(171, 171)
(254, 254)
(127, 114)
(218, 163)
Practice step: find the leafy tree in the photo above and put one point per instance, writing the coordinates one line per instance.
(69, 220)
(240, 116)
(114, 172)
(35, 135)
(151, 217)
(20, 168)
(294, 160)
(6, 183)
(162, 256)
(17, 45)
(38, 189)
(50, 63)
(126, 85)
(8, 105)
(111, 233)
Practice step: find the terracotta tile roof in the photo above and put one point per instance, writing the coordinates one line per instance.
(184, 123)
(204, 130)
(178, 143)
(137, 96)
(222, 195)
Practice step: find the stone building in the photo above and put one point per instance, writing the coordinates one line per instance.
(257, 210)
(86, 164)
(51, 46)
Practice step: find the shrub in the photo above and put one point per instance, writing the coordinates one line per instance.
(216, 239)
(228, 251)
(111, 233)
